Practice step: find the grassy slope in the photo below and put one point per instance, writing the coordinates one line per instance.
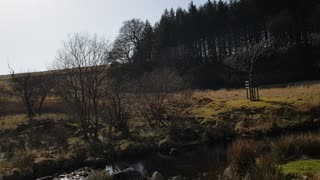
(281, 106)
(298, 97)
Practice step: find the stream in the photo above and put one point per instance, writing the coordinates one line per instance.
(190, 163)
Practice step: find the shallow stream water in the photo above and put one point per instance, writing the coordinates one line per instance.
(190, 163)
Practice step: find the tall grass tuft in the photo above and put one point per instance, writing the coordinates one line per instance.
(293, 147)
(266, 169)
(242, 156)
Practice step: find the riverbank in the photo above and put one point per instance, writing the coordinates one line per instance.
(51, 143)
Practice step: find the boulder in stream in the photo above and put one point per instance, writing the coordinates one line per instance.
(157, 176)
(166, 144)
(128, 174)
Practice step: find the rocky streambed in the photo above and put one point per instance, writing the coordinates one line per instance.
(192, 163)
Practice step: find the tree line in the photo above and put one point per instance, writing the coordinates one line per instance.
(208, 34)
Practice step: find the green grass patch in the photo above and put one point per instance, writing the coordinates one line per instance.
(302, 167)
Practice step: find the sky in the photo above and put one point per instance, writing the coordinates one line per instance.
(31, 31)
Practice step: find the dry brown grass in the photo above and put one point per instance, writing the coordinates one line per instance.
(294, 146)
(209, 104)
(308, 90)
(13, 121)
(242, 156)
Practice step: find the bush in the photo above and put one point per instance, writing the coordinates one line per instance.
(163, 98)
(99, 175)
(266, 169)
(242, 156)
(293, 147)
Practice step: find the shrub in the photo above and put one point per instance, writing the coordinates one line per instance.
(285, 149)
(266, 169)
(163, 98)
(99, 175)
(242, 156)
(293, 147)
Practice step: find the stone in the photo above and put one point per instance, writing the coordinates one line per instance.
(227, 173)
(62, 176)
(157, 176)
(166, 144)
(46, 178)
(304, 157)
(174, 152)
(176, 178)
(128, 174)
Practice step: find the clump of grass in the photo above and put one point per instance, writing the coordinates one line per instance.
(302, 167)
(242, 156)
(266, 169)
(99, 175)
(292, 147)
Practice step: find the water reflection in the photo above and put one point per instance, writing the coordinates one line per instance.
(189, 163)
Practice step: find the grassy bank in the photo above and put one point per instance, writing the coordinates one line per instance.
(288, 157)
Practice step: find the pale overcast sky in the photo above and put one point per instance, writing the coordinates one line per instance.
(31, 31)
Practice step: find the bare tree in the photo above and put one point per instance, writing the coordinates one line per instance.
(45, 85)
(117, 101)
(80, 74)
(33, 89)
(3, 99)
(129, 41)
(246, 60)
(122, 51)
(164, 98)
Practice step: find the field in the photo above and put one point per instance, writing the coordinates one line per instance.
(218, 115)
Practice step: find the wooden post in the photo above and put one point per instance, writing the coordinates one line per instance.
(252, 91)
(247, 86)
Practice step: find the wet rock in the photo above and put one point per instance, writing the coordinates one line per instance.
(227, 173)
(176, 178)
(166, 144)
(62, 176)
(157, 176)
(174, 152)
(305, 157)
(80, 174)
(46, 178)
(128, 174)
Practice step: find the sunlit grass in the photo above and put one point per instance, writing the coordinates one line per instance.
(13, 121)
(302, 167)
(299, 98)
